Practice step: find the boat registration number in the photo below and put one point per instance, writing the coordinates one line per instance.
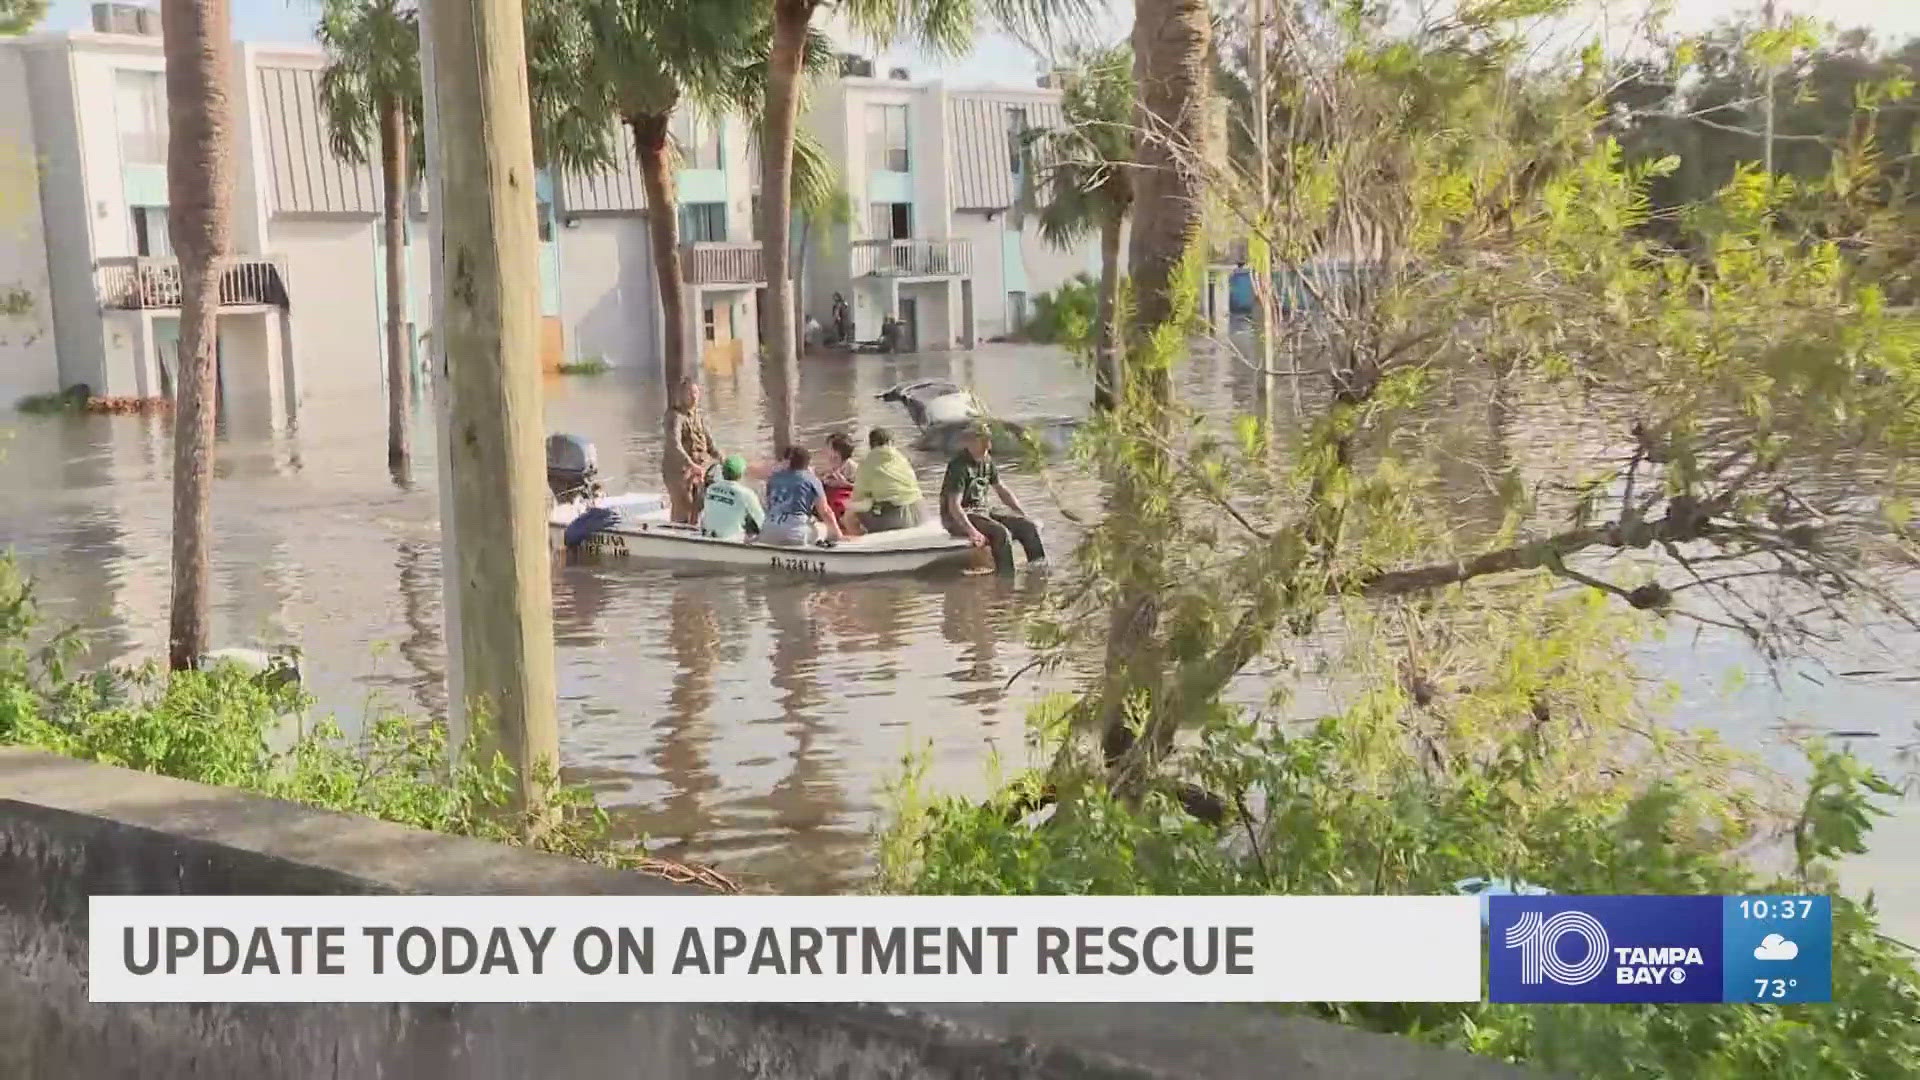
(606, 543)
(804, 566)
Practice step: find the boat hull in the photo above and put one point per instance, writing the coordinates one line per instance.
(646, 533)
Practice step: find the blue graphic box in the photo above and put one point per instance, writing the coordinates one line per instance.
(1773, 949)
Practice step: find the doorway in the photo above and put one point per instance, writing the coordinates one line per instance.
(909, 325)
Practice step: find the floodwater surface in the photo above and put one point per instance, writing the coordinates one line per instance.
(742, 719)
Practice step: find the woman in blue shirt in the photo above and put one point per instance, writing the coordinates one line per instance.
(795, 501)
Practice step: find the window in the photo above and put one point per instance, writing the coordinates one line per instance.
(150, 236)
(887, 138)
(544, 211)
(140, 108)
(703, 223)
(1017, 139)
(891, 221)
(706, 320)
(698, 138)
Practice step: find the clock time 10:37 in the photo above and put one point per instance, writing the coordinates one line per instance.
(1775, 909)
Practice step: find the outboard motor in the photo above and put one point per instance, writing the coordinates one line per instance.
(573, 471)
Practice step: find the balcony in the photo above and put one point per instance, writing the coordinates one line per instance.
(721, 264)
(137, 283)
(912, 258)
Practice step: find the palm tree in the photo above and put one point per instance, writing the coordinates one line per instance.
(198, 44)
(1082, 184)
(595, 65)
(370, 93)
(1172, 51)
(940, 27)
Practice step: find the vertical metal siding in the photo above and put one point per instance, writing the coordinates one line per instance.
(980, 161)
(306, 176)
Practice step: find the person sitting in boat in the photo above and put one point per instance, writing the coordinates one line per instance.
(886, 493)
(836, 476)
(796, 504)
(689, 453)
(732, 510)
(963, 503)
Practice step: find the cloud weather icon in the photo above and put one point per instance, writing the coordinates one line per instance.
(1775, 947)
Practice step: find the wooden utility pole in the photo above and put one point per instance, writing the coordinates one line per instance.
(488, 336)
(442, 405)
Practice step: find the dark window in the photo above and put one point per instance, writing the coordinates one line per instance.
(703, 223)
(544, 210)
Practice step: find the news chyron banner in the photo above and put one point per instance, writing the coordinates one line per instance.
(1533, 948)
(1772, 950)
(784, 949)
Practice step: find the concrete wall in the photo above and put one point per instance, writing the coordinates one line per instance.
(70, 829)
(607, 292)
(333, 287)
(67, 213)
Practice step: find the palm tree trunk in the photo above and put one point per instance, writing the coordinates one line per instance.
(1170, 46)
(197, 43)
(1106, 356)
(663, 235)
(780, 368)
(393, 175)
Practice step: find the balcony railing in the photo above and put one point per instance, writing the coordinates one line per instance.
(139, 282)
(913, 258)
(721, 264)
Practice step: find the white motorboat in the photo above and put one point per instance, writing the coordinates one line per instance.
(640, 525)
(900, 551)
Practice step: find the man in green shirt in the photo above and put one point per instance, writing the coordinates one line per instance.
(732, 510)
(963, 504)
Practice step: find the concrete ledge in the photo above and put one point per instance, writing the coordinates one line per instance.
(69, 829)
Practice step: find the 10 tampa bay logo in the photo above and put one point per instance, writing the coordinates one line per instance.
(1604, 948)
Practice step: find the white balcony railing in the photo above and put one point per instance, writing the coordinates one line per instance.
(721, 264)
(138, 282)
(913, 258)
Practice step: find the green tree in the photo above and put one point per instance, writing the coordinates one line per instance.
(1081, 183)
(370, 97)
(20, 16)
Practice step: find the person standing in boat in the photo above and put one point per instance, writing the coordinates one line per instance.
(731, 511)
(836, 477)
(963, 503)
(690, 451)
(886, 493)
(795, 501)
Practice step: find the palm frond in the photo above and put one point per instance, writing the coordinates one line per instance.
(373, 61)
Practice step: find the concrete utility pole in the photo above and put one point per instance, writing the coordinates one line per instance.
(487, 339)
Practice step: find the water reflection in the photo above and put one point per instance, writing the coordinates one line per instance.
(743, 719)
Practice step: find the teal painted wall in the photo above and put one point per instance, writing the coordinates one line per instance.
(890, 187)
(1013, 267)
(549, 254)
(145, 185)
(702, 185)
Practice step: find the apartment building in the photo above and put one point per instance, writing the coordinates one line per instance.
(89, 290)
(935, 241)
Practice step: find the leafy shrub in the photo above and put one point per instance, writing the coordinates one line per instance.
(1064, 316)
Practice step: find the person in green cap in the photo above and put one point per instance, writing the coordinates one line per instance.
(732, 511)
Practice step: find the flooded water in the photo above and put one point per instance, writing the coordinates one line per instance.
(740, 719)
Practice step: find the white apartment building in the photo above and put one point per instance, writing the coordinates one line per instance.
(934, 177)
(89, 292)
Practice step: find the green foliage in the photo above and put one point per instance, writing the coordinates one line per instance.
(588, 365)
(72, 399)
(373, 66)
(1529, 760)
(1078, 177)
(227, 727)
(1064, 316)
(19, 16)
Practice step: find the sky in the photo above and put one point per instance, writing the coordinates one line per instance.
(997, 60)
